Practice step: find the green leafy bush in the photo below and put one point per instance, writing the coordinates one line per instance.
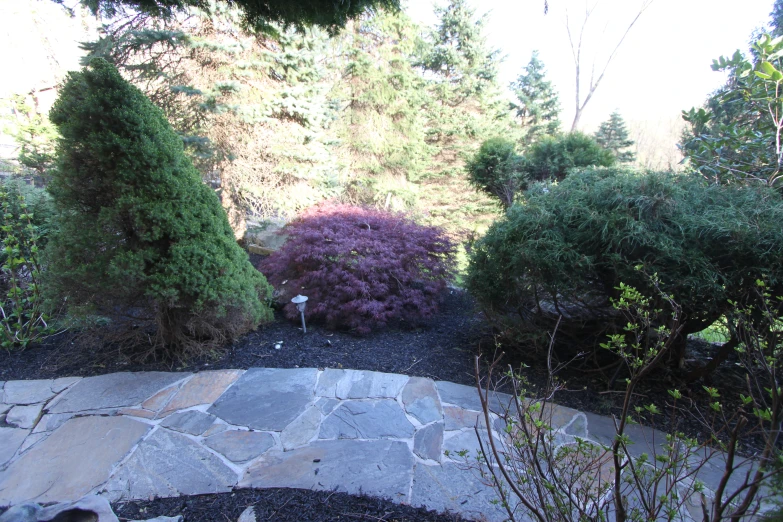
(137, 228)
(22, 319)
(554, 156)
(496, 169)
(565, 251)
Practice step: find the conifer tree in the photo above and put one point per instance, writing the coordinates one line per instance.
(537, 105)
(613, 136)
(137, 228)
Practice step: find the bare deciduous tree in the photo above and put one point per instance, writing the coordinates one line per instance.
(576, 51)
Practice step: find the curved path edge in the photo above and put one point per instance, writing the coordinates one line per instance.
(159, 434)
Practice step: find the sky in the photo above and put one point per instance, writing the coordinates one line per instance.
(662, 67)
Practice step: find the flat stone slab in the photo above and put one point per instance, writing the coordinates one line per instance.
(374, 419)
(24, 416)
(28, 392)
(428, 441)
(51, 422)
(169, 464)
(420, 398)
(72, 461)
(10, 441)
(382, 468)
(62, 383)
(267, 399)
(202, 388)
(113, 390)
(193, 422)
(355, 384)
(450, 487)
(240, 445)
(467, 397)
(302, 430)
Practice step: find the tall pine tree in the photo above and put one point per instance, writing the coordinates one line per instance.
(537, 104)
(613, 136)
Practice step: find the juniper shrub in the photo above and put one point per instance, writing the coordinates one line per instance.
(361, 268)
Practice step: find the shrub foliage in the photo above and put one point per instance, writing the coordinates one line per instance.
(567, 249)
(137, 228)
(496, 169)
(554, 156)
(361, 268)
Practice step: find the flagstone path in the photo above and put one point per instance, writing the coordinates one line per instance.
(156, 434)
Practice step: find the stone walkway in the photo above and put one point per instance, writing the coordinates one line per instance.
(156, 434)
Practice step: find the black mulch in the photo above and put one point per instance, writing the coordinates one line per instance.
(279, 505)
(442, 349)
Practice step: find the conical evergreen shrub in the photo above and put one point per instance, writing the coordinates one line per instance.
(138, 230)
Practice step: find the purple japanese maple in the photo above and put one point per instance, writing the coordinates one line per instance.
(361, 268)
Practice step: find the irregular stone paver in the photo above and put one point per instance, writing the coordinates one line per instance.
(467, 397)
(193, 422)
(354, 384)
(5, 407)
(421, 400)
(449, 487)
(456, 442)
(51, 422)
(302, 430)
(113, 390)
(577, 427)
(28, 392)
(202, 388)
(267, 399)
(381, 467)
(71, 462)
(240, 445)
(10, 441)
(62, 383)
(215, 429)
(32, 440)
(557, 416)
(457, 418)
(160, 399)
(24, 416)
(327, 406)
(168, 464)
(137, 412)
(367, 420)
(428, 441)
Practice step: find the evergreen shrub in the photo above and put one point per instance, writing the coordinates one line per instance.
(138, 230)
(497, 170)
(553, 157)
(568, 248)
(361, 268)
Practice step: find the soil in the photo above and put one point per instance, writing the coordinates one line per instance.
(280, 505)
(442, 349)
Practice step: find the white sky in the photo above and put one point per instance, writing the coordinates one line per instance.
(662, 67)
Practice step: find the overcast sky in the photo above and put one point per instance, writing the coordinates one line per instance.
(662, 67)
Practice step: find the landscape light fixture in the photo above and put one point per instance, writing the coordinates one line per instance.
(301, 301)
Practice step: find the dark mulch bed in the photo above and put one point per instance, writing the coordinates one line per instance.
(280, 505)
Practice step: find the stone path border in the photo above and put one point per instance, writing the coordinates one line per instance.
(157, 434)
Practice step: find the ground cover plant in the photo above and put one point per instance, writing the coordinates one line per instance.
(361, 268)
(565, 251)
(138, 234)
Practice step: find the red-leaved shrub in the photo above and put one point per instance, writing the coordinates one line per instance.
(361, 268)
